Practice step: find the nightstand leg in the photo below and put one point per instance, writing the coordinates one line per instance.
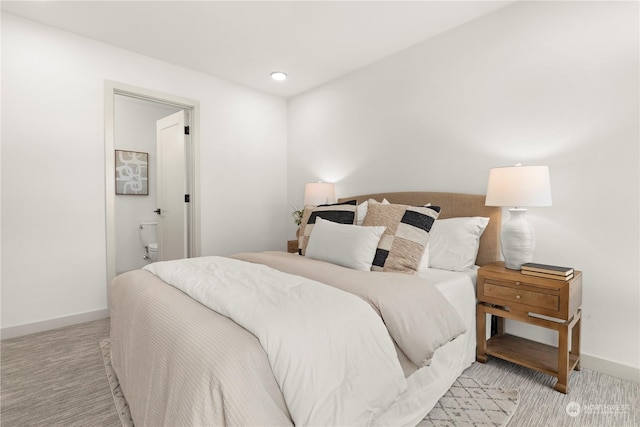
(575, 340)
(563, 360)
(500, 325)
(481, 334)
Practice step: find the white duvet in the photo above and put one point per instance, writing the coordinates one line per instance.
(329, 351)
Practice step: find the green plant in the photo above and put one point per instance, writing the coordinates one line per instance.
(297, 215)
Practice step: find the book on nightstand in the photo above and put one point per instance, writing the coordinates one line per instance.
(547, 271)
(547, 276)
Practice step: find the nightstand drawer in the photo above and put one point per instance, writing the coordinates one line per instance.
(510, 296)
(550, 297)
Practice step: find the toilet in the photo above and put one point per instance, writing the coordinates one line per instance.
(149, 239)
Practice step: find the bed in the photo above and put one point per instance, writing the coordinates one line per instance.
(181, 363)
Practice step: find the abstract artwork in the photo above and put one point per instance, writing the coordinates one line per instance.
(132, 173)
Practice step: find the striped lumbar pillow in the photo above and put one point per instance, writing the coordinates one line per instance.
(342, 213)
(406, 237)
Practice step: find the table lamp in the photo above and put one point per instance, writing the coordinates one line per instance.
(518, 186)
(319, 193)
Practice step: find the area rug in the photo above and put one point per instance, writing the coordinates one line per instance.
(467, 403)
(122, 407)
(471, 403)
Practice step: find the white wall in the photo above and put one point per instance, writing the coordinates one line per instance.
(135, 130)
(552, 83)
(537, 82)
(53, 166)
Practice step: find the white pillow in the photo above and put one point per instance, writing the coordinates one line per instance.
(362, 210)
(347, 245)
(454, 242)
(424, 261)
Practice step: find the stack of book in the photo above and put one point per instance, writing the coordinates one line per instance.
(547, 271)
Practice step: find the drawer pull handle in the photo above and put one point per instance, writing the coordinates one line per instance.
(517, 296)
(517, 283)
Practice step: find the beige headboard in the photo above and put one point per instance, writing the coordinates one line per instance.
(453, 205)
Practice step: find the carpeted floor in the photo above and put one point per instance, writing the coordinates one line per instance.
(604, 400)
(57, 378)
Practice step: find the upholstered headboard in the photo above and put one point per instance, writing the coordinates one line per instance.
(453, 205)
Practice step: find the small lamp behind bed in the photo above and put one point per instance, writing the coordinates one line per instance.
(319, 193)
(518, 186)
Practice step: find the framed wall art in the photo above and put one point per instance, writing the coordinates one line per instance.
(132, 173)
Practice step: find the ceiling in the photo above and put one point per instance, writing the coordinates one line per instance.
(244, 41)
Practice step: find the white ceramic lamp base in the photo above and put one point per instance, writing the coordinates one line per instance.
(517, 239)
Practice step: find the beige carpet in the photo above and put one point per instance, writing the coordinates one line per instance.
(56, 378)
(604, 401)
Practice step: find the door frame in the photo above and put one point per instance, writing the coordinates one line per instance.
(112, 88)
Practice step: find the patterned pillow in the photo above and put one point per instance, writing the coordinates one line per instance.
(342, 213)
(406, 237)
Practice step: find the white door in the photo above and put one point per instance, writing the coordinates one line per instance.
(172, 188)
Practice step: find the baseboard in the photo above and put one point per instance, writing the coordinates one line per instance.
(47, 325)
(609, 367)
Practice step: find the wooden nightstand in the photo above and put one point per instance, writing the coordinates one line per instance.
(509, 294)
(292, 246)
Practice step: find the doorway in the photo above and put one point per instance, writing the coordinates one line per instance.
(124, 213)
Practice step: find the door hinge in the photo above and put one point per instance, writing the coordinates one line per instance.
(186, 198)
(186, 130)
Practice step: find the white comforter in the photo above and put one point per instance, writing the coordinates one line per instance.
(345, 373)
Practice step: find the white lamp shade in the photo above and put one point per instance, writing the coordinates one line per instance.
(519, 186)
(319, 193)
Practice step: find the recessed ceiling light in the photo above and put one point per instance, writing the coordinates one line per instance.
(278, 75)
